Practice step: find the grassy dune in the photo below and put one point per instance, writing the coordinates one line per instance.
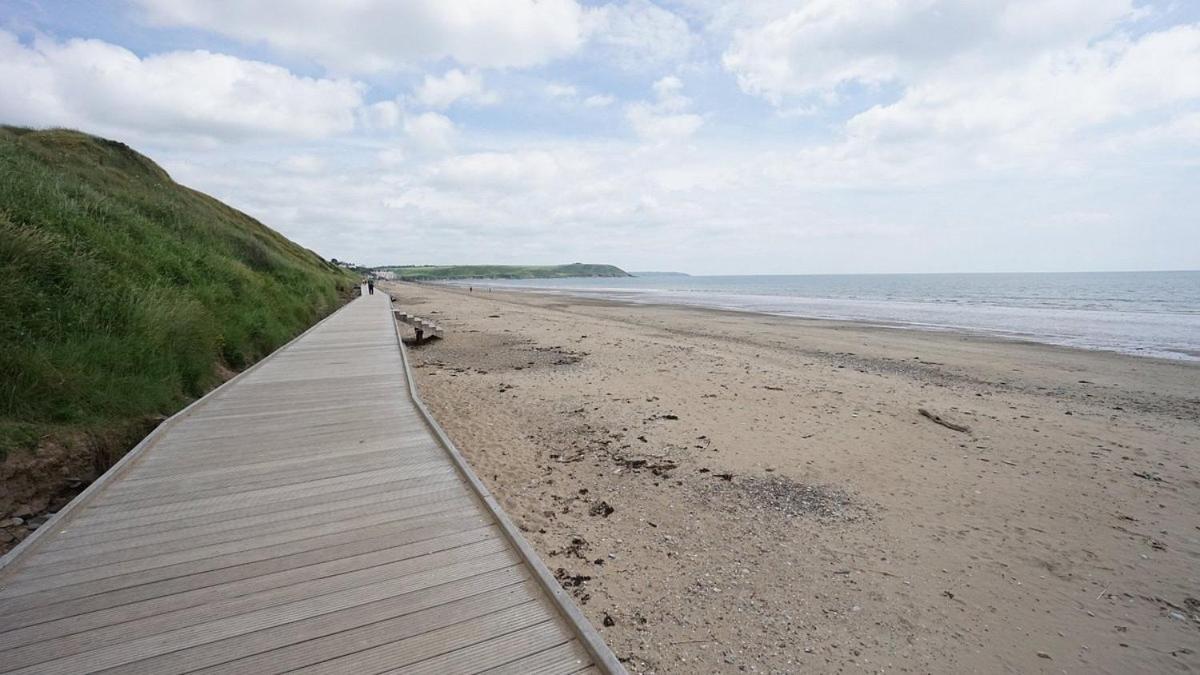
(124, 294)
(433, 272)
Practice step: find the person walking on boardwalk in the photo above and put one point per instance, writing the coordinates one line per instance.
(371, 286)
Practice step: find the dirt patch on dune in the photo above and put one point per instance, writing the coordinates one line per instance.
(35, 484)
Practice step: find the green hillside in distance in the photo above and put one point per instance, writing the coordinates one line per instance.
(125, 295)
(435, 272)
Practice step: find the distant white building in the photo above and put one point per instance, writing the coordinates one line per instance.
(386, 274)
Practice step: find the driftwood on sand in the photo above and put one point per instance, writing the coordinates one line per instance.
(944, 422)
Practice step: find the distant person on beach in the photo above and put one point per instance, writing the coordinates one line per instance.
(371, 286)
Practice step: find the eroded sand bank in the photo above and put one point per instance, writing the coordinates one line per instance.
(727, 492)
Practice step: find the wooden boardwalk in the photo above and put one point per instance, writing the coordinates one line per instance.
(305, 516)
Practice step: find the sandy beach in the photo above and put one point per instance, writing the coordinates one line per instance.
(727, 492)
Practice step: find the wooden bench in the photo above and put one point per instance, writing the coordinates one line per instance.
(425, 329)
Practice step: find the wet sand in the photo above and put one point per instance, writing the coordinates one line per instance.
(726, 492)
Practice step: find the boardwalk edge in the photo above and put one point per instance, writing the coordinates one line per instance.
(603, 657)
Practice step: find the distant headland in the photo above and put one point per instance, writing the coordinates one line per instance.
(446, 272)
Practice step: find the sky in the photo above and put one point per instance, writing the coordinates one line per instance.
(810, 136)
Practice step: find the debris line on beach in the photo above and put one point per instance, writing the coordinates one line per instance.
(944, 422)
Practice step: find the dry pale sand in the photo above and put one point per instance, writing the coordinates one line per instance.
(727, 493)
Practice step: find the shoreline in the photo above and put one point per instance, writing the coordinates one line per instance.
(613, 296)
(720, 489)
(1187, 358)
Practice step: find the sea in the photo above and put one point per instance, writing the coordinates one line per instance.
(1153, 314)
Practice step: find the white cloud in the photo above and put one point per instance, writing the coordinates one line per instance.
(1033, 85)
(653, 126)
(638, 34)
(391, 157)
(598, 101)
(453, 86)
(822, 45)
(302, 163)
(668, 89)
(569, 95)
(667, 118)
(1024, 113)
(1179, 134)
(430, 132)
(381, 115)
(557, 90)
(379, 35)
(195, 95)
(498, 170)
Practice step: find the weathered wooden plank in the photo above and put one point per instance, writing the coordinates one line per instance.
(429, 646)
(86, 653)
(419, 498)
(135, 483)
(226, 485)
(502, 646)
(213, 574)
(297, 438)
(223, 508)
(125, 546)
(357, 629)
(250, 450)
(23, 585)
(566, 658)
(371, 497)
(352, 558)
(171, 604)
(283, 486)
(225, 422)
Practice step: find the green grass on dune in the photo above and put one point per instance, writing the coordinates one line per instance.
(121, 291)
(433, 272)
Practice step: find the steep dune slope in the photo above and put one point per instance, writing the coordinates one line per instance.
(123, 295)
